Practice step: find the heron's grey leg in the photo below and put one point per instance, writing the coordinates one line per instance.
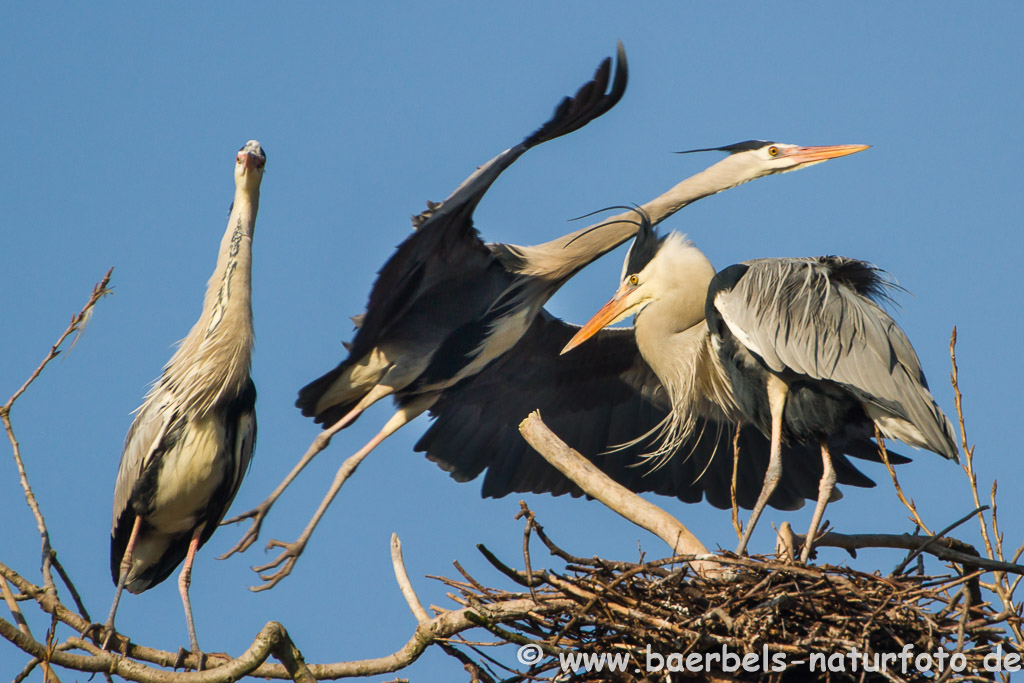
(294, 549)
(184, 581)
(126, 565)
(777, 390)
(259, 513)
(828, 482)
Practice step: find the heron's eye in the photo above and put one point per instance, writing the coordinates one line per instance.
(634, 280)
(773, 151)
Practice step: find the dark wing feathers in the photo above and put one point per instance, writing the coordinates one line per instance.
(445, 244)
(448, 236)
(596, 401)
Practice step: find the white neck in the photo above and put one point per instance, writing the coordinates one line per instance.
(217, 351)
(560, 258)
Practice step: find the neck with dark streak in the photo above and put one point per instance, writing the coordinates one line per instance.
(215, 356)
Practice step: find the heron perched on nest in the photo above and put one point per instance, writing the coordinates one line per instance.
(192, 439)
(797, 347)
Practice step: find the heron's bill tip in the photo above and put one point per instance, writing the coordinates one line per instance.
(605, 316)
(824, 152)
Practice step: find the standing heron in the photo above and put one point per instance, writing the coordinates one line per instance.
(446, 307)
(797, 347)
(191, 441)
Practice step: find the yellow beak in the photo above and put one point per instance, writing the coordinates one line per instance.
(823, 153)
(605, 315)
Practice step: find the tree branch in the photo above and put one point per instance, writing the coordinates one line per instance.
(597, 484)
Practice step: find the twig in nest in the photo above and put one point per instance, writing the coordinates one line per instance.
(930, 540)
(527, 514)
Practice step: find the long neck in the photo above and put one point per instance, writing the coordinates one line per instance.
(561, 258)
(228, 299)
(217, 351)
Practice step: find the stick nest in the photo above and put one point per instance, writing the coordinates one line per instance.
(759, 607)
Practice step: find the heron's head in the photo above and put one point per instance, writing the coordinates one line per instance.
(754, 159)
(666, 276)
(249, 165)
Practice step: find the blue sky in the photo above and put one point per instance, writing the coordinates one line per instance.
(120, 127)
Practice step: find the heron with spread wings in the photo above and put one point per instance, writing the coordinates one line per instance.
(448, 312)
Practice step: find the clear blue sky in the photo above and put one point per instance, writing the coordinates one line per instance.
(120, 124)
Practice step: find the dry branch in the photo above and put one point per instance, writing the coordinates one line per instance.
(600, 486)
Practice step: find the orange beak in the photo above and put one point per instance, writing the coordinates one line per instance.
(605, 316)
(805, 155)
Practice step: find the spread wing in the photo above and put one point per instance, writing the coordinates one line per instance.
(440, 278)
(446, 241)
(601, 396)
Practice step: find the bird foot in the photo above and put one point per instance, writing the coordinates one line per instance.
(257, 515)
(286, 561)
(106, 634)
(183, 654)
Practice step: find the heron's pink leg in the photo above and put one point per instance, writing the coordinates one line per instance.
(828, 482)
(294, 549)
(126, 565)
(777, 390)
(323, 439)
(184, 581)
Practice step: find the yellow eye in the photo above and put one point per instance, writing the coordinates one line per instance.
(634, 280)
(774, 151)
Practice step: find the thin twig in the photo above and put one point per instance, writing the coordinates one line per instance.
(968, 467)
(77, 320)
(525, 512)
(930, 540)
(404, 584)
(736, 523)
(909, 504)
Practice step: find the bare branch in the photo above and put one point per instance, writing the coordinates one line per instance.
(735, 506)
(617, 497)
(909, 504)
(77, 320)
(968, 466)
(403, 581)
(928, 541)
(941, 547)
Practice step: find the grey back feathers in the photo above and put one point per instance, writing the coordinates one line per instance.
(819, 317)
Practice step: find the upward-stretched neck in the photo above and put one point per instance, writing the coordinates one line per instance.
(216, 353)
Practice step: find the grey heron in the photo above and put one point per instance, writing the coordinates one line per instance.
(191, 441)
(797, 347)
(446, 307)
